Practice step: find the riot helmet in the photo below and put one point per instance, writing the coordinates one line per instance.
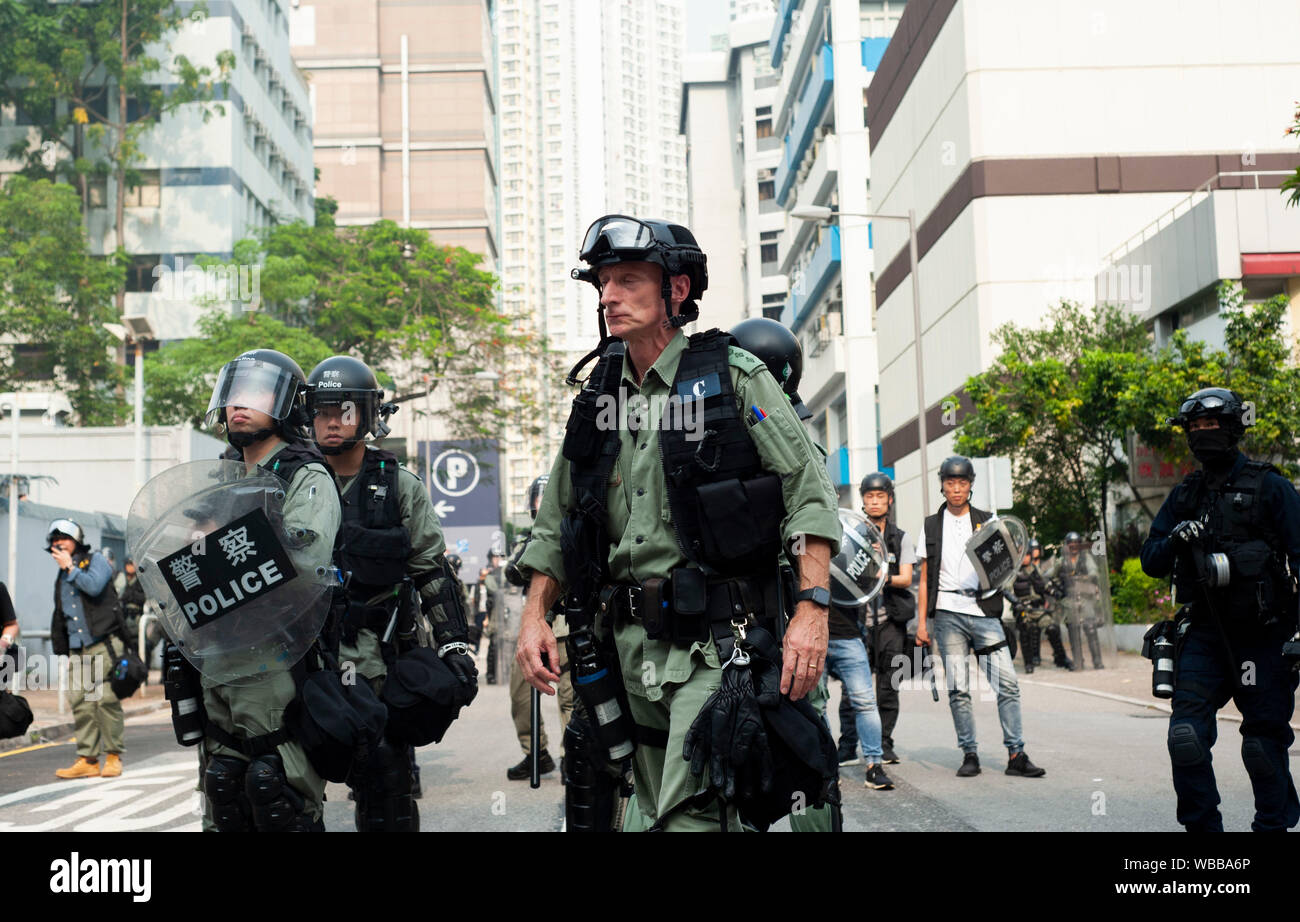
(1034, 545)
(1072, 539)
(65, 528)
(535, 490)
(957, 466)
(345, 382)
(1213, 447)
(454, 561)
(620, 238)
(877, 481)
(778, 348)
(266, 381)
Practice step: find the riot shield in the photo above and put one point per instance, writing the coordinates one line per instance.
(508, 607)
(240, 588)
(996, 549)
(859, 570)
(1083, 574)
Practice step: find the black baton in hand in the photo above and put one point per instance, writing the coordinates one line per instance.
(534, 731)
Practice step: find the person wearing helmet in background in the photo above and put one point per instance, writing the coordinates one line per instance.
(87, 625)
(615, 532)
(256, 777)
(1076, 574)
(520, 692)
(393, 547)
(1031, 602)
(964, 623)
(1230, 535)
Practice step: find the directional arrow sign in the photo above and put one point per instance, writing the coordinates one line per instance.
(442, 507)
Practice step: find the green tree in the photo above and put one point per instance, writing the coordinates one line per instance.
(407, 306)
(180, 376)
(1292, 183)
(1053, 402)
(90, 77)
(55, 299)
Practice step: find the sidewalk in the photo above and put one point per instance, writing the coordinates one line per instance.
(48, 724)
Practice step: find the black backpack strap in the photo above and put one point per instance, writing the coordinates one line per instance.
(252, 746)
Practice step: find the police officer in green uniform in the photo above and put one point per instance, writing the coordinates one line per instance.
(391, 545)
(255, 775)
(747, 480)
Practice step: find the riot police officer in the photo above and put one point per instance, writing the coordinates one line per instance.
(393, 549)
(255, 774)
(1230, 535)
(1076, 571)
(683, 566)
(1031, 602)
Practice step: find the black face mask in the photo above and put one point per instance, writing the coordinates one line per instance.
(1212, 447)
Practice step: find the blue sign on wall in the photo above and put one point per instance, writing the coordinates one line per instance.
(465, 489)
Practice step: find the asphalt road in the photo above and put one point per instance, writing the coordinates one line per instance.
(1107, 770)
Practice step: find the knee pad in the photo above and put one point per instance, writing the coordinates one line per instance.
(276, 807)
(1255, 757)
(1185, 747)
(223, 784)
(590, 792)
(383, 793)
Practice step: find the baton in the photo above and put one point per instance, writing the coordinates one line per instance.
(534, 732)
(925, 653)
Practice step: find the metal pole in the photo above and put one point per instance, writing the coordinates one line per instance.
(139, 415)
(13, 501)
(920, 364)
(428, 434)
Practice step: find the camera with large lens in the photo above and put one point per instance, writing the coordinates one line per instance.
(1217, 571)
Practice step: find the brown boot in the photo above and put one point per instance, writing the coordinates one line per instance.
(112, 766)
(82, 768)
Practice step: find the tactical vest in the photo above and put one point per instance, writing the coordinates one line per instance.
(1028, 586)
(374, 543)
(726, 510)
(991, 607)
(1240, 526)
(899, 602)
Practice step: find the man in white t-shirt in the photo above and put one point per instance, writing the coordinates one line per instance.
(964, 623)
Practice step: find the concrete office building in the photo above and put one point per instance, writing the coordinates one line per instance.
(404, 103)
(206, 185)
(590, 96)
(826, 52)
(1031, 138)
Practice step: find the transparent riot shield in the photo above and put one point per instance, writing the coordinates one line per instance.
(242, 586)
(507, 612)
(860, 569)
(1083, 574)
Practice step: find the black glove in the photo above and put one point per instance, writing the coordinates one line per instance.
(462, 667)
(1188, 532)
(729, 738)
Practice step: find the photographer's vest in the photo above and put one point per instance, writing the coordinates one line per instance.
(992, 607)
(1240, 526)
(900, 605)
(726, 510)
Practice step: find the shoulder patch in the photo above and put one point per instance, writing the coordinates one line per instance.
(745, 361)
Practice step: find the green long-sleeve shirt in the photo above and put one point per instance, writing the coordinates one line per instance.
(640, 523)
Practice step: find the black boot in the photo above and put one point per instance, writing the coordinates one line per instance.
(1059, 659)
(1027, 644)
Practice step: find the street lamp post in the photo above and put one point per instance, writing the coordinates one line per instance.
(826, 213)
(134, 330)
(12, 406)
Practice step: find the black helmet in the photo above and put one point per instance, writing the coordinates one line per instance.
(1072, 537)
(342, 380)
(877, 481)
(957, 466)
(617, 238)
(453, 561)
(772, 343)
(263, 380)
(535, 490)
(65, 528)
(1215, 402)
(1034, 545)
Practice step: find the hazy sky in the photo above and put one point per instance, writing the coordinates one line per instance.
(703, 18)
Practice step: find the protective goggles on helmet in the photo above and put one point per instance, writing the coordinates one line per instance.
(254, 385)
(617, 232)
(1202, 404)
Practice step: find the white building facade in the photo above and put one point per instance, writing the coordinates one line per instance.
(1032, 138)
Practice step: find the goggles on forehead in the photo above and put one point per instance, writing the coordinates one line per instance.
(620, 233)
(1209, 402)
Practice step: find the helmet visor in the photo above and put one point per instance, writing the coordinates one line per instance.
(253, 385)
(618, 232)
(1202, 404)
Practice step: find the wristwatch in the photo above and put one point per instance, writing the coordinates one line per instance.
(818, 595)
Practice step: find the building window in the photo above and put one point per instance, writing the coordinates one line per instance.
(148, 194)
(766, 189)
(767, 252)
(140, 274)
(763, 128)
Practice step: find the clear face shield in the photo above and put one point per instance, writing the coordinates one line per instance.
(253, 385)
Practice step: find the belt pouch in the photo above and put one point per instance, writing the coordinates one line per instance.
(690, 590)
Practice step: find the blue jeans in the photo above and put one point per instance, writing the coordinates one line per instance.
(957, 636)
(1202, 686)
(847, 657)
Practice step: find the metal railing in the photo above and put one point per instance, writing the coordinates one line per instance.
(1180, 209)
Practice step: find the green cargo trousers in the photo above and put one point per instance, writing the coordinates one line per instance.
(254, 710)
(96, 712)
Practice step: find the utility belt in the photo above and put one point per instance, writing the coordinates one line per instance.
(690, 607)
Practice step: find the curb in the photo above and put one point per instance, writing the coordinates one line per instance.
(51, 732)
(1126, 700)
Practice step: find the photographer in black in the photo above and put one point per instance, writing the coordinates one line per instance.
(1230, 535)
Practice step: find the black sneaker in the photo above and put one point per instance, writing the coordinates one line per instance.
(848, 757)
(888, 756)
(524, 770)
(970, 766)
(877, 779)
(1019, 764)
